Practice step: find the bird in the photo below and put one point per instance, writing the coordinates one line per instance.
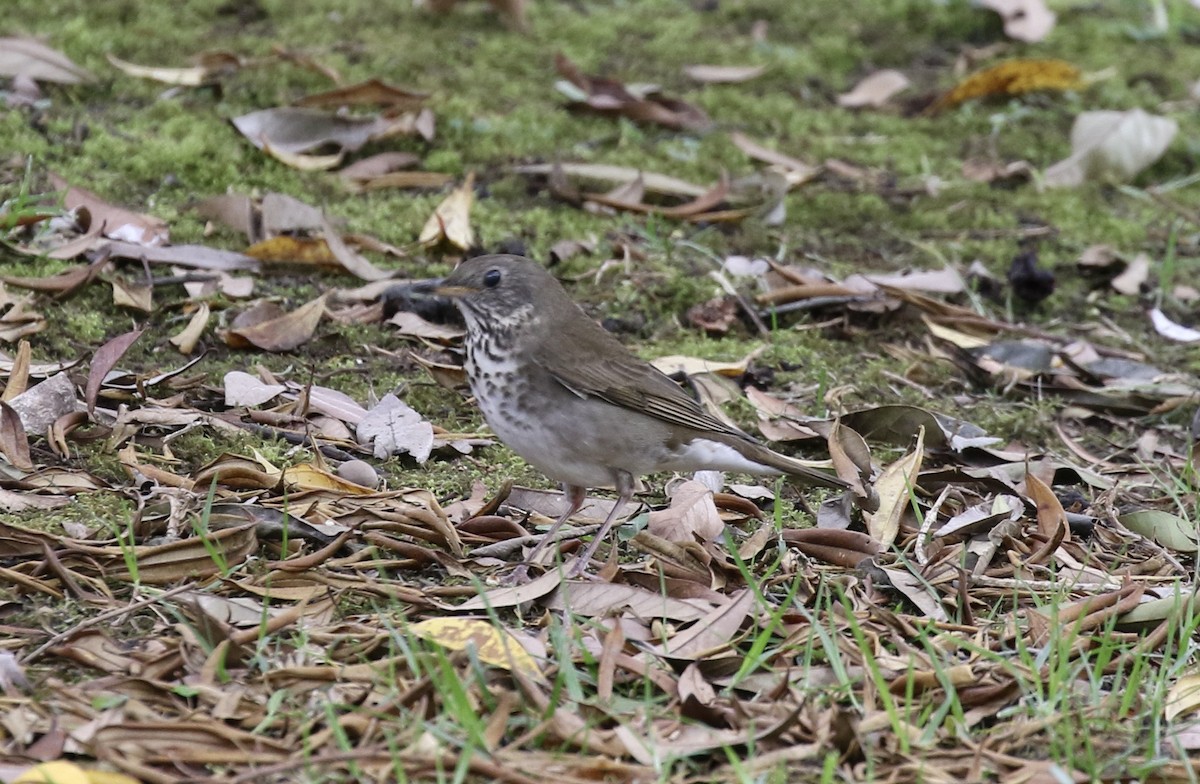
(576, 404)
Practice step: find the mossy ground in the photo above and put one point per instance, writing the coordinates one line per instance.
(158, 150)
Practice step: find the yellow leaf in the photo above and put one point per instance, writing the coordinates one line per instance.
(294, 250)
(307, 476)
(451, 221)
(57, 772)
(1012, 77)
(492, 645)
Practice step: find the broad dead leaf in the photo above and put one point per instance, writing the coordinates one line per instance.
(282, 332)
(691, 516)
(451, 221)
(118, 222)
(1111, 145)
(104, 360)
(391, 427)
(492, 645)
(30, 58)
(1172, 330)
(297, 130)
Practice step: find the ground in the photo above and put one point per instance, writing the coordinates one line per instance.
(159, 150)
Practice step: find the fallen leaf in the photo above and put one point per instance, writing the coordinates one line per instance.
(104, 360)
(796, 171)
(280, 333)
(1171, 330)
(874, 90)
(392, 427)
(610, 97)
(189, 337)
(1133, 277)
(652, 181)
(191, 76)
(33, 59)
(723, 74)
(451, 221)
(1010, 78)
(1024, 20)
(14, 442)
(493, 645)
(691, 516)
(895, 487)
(243, 389)
(118, 222)
(1111, 145)
(372, 91)
(296, 130)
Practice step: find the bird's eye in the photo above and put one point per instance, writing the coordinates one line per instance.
(491, 278)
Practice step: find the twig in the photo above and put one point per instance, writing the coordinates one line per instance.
(101, 618)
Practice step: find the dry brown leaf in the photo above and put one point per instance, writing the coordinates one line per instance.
(1133, 277)
(691, 516)
(14, 443)
(118, 222)
(494, 646)
(281, 333)
(135, 296)
(104, 360)
(372, 91)
(610, 97)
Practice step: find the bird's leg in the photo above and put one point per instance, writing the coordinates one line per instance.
(575, 498)
(624, 495)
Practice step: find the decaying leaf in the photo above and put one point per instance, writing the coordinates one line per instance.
(1172, 330)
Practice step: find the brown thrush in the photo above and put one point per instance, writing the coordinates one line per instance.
(566, 396)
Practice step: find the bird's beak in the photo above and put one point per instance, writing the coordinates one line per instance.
(438, 288)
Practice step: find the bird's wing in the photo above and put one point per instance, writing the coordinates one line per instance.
(630, 383)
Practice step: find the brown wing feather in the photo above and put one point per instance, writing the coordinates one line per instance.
(621, 378)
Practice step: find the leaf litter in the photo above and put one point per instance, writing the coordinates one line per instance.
(714, 631)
